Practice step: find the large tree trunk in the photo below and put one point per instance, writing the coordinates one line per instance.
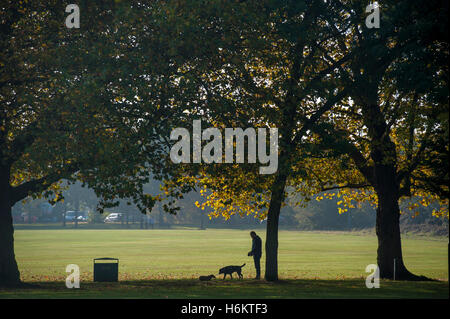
(389, 253)
(273, 215)
(388, 226)
(384, 155)
(9, 272)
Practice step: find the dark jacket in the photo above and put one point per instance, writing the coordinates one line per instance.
(256, 247)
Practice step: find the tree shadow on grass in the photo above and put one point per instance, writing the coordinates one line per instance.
(230, 289)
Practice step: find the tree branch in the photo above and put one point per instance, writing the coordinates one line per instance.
(22, 141)
(313, 118)
(324, 189)
(347, 147)
(41, 184)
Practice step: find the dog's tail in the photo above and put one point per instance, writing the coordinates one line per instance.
(243, 265)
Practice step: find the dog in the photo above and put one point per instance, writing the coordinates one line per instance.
(229, 270)
(206, 278)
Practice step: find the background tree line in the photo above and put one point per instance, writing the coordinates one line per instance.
(315, 215)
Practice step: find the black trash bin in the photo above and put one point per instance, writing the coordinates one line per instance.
(106, 271)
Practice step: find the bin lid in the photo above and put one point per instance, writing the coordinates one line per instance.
(106, 258)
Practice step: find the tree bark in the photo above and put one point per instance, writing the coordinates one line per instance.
(273, 215)
(385, 182)
(389, 253)
(388, 225)
(9, 272)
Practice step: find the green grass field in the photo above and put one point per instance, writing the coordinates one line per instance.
(167, 263)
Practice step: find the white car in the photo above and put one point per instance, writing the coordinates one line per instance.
(113, 217)
(70, 216)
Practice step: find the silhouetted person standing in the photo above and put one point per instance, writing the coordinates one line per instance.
(256, 252)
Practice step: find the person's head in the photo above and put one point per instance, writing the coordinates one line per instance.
(252, 234)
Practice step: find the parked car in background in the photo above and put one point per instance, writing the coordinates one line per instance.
(83, 218)
(70, 216)
(114, 217)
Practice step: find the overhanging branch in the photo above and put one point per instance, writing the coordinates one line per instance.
(39, 185)
(365, 185)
